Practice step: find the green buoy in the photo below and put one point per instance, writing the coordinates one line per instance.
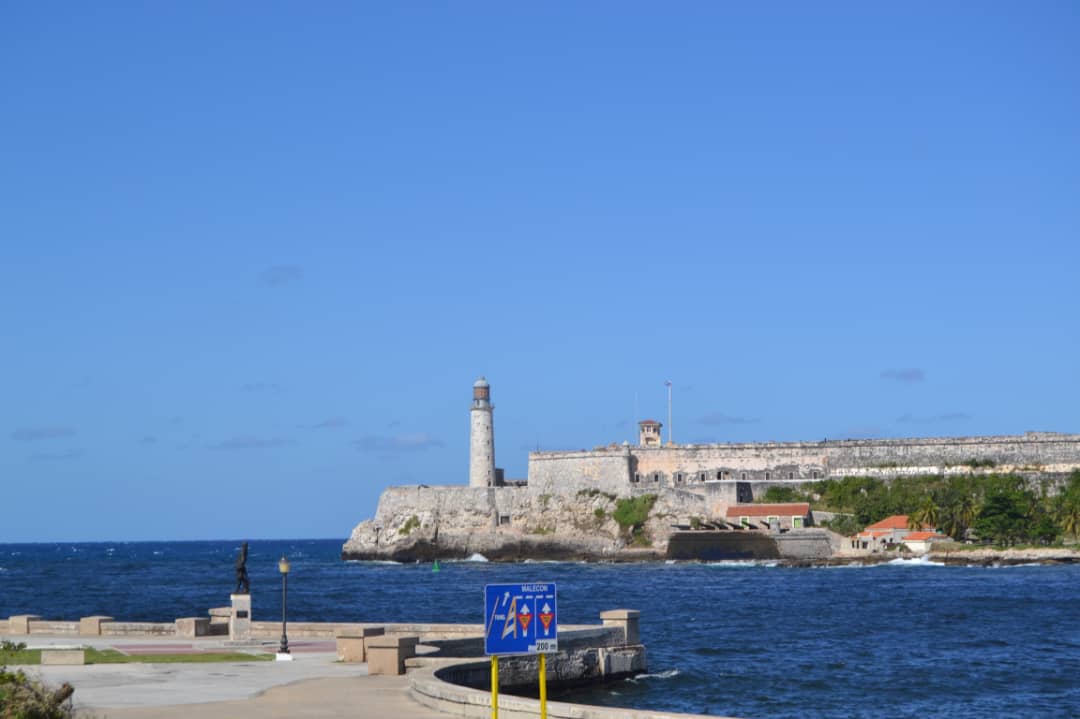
(435, 566)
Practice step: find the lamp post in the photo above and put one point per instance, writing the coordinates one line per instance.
(283, 567)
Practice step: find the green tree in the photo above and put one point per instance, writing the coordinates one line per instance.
(925, 516)
(1068, 506)
(1004, 517)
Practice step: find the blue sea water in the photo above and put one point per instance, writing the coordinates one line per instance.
(741, 639)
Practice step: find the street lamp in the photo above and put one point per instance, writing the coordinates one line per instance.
(283, 567)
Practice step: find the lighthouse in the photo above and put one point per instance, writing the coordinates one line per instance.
(482, 437)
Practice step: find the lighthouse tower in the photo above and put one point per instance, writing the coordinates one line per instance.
(482, 437)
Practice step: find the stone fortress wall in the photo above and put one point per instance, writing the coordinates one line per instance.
(698, 467)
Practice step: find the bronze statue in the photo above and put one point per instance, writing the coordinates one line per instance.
(242, 584)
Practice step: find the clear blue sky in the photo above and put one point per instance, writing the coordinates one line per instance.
(255, 254)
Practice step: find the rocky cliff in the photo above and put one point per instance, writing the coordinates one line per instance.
(511, 524)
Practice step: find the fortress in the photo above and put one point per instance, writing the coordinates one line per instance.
(565, 490)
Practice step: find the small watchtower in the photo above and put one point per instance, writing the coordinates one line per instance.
(649, 433)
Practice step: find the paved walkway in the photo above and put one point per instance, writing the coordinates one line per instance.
(312, 686)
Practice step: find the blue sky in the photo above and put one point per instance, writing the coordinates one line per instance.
(255, 254)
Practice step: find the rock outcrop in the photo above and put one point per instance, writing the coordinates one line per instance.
(511, 524)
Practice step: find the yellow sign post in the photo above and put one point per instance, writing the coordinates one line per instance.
(543, 686)
(494, 687)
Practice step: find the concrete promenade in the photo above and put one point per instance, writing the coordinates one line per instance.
(314, 685)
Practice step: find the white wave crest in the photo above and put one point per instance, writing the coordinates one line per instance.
(923, 561)
(476, 557)
(666, 674)
(744, 563)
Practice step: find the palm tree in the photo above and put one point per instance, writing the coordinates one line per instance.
(926, 516)
(965, 512)
(1070, 518)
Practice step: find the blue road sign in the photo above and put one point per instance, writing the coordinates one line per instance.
(520, 619)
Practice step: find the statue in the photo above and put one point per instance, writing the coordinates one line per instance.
(242, 584)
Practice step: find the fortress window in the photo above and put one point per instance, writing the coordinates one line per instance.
(791, 475)
(767, 476)
(637, 477)
(656, 477)
(504, 519)
(744, 476)
(814, 475)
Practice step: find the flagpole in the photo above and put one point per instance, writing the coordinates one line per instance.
(670, 438)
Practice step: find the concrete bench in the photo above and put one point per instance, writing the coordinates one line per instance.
(63, 655)
(387, 655)
(352, 647)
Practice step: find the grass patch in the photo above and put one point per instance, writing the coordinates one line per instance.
(20, 656)
(631, 513)
(599, 513)
(111, 656)
(26, 657)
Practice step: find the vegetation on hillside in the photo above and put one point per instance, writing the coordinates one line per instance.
(1001, 508)
(411, 523)
(631, 513)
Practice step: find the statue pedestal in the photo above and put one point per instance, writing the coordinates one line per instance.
(240, 619)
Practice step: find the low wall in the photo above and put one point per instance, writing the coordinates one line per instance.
(428, 686)
(724, 545)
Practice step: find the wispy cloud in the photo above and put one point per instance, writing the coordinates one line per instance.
(716, 419)
(397, 445)
(250, 442)
(61, 456)
(30, 434)
(279, 275)
(269, 387)
(910, 374)
(148, 440)
(331, 423)
(944, 417)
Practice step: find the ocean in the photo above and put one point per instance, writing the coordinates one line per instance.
(754, 640)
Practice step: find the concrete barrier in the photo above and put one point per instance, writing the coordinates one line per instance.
(628, 620)
(352, 647)
(387, 655)
(191, 627)
(20, 623)
(91, 626)
(62, 656)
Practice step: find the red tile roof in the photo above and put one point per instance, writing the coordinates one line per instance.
(791, 509)
(923, 536)
(897, 521)
(648, 421)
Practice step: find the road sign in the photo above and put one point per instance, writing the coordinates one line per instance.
(520, 619)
